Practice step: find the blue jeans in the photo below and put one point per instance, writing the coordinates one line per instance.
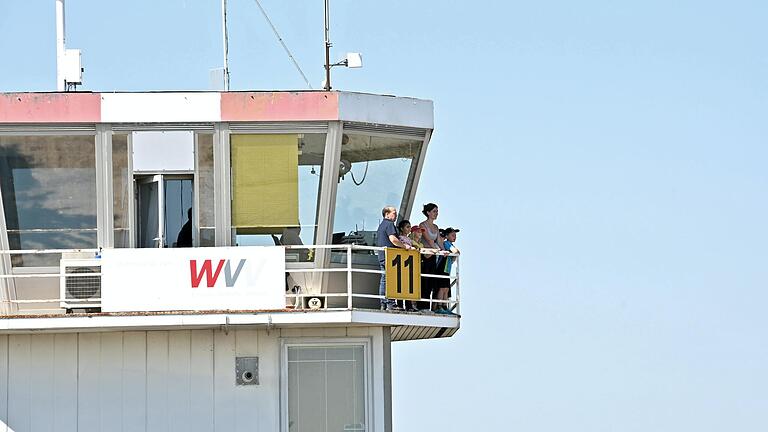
(383, 286)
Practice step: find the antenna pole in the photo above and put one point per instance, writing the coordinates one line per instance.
(226, 43)
(327, 50)
(60, 84)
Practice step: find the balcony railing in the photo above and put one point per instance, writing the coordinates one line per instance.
(335, 277)
(349, 266)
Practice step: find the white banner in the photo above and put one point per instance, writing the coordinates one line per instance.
(226, 278)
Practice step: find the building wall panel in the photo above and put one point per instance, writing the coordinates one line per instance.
(111, 380)
(65, 381)
(19, 407)
(157, 381)
(145, 380)
(88, 388)
(223, 367)
(268, 394)
(41, 398)
(134, 390)
(179, 359)
(201, 381)
(3, 383)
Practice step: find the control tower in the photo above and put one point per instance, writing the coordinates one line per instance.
(206, 261)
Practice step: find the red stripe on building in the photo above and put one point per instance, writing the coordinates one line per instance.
(50, 108)
(283, 106)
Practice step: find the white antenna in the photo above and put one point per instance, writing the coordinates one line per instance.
(327, 26)
(69, 69)
(226, 43)
(60, 32)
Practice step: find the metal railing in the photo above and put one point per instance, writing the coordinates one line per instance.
(322, 264)
(452, 304)
(8, 275)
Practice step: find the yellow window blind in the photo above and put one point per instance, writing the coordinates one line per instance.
(265, 182)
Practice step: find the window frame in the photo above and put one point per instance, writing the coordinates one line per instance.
(365, 342)
(225, 152)
(412, 178)
(38, 130)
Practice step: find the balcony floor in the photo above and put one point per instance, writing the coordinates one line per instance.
(404, 325)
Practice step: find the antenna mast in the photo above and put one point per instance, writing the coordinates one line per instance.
(327, 50)
(60, 32)
(226, 43)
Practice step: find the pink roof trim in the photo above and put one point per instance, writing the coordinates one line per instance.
(283, 106)
(50, 108)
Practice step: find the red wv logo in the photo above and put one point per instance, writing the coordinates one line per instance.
(212, 276)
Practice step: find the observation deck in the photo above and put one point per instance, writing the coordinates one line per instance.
(199, 210)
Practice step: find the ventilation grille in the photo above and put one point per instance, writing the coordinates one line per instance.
(26, 128)
(283, 127)
(80, 283)
(84, 287)
(135, 127)
(371, 128)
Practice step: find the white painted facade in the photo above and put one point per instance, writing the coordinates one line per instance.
(179, 380)
(160, 107)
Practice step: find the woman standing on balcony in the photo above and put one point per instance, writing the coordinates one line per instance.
(431, 240)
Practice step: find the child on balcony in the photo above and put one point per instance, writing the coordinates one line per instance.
(444, 290)
(403, 229)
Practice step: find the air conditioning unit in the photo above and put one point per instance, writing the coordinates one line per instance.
(80, 282)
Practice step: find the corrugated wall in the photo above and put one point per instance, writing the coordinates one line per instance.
(137, 381)
(144, 381)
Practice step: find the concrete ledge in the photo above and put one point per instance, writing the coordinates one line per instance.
(213, 319)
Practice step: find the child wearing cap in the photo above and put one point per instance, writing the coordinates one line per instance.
(427, 261)
(444, 291)
(415, 236)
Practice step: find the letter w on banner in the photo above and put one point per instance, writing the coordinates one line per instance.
(205, 270)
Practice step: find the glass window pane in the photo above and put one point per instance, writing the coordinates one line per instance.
(49, 194)
(309, 353)
(122, 180)
(148, 214)
(308, 399)
(265, 183)
(340, 353)
(274, 201)
(377, 173)
(178, 212)
(204, 178)
(326, 388)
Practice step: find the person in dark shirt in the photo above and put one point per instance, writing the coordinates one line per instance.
(185, 235)
(386, 236)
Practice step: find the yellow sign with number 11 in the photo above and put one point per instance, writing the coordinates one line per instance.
(403, 269)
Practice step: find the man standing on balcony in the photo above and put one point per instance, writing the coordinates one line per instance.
(386, 236)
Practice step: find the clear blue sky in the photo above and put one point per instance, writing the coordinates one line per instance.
(605, 160)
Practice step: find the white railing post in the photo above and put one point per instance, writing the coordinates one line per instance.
(458, 282)
(349, 277)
